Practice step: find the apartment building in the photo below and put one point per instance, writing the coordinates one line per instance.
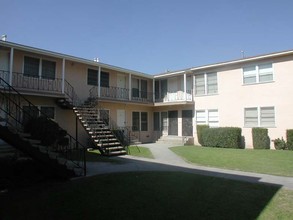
(245, 93)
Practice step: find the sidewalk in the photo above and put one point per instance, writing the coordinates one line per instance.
(166, 160)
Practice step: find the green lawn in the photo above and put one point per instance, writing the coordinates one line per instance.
(148, 195)
(140, 152)
(260, 161)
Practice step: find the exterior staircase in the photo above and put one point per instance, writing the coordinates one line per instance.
(108, 140)
(65, 161)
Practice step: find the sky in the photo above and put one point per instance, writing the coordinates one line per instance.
(151, 36)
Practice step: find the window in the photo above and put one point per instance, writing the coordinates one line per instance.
(251, 117)
(258, 73)
(139, 121)
(212, 83)
(135, 121)
(135, 88)
(92, 77)
(259, 117)
(35, 67)
(35, 111)
(48, 111)
(31, 67)
(139, 88)
(206, 84)
(144, 121)
(144, 88)
(104, 79)
(209, 117)
(48, 69)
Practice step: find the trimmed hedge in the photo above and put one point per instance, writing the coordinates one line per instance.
(223, 137)
(199, 129)
(289, 137)
(260, 138)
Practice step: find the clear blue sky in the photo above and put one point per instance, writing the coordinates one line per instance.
(151, 36)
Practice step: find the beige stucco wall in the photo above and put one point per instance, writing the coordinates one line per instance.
(143, 136)
(233, 97)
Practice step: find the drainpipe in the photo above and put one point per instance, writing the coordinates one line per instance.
(11, 65)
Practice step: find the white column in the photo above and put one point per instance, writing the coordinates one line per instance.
(129, 86)
(63, 76)
(11, 65)
(193, 87)
(99, 82)
(154, 84)
(184, 85)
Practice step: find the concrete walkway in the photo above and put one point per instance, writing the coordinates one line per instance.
(166, 160)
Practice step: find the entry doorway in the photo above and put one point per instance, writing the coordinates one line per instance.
(164, 123)
(173, 123)
(187, 128)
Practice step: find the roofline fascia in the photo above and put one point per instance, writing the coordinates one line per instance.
(233, 62)
(73, 58)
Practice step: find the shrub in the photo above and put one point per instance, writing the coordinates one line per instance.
(45, 130)
(260, 138)
(280, 144)
(224, 137)
(200, 129)
(289, 136)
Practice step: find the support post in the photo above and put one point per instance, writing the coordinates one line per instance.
(63, 76)
(11, 65)
(184, 85)
(129, 86)
(99, 82)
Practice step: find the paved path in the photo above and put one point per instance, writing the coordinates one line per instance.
(166, 160)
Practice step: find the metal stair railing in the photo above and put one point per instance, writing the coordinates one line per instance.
(11, 102)
(121, 133)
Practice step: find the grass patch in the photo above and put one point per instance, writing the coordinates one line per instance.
(148, 195)
(258, 161)
(140, 152)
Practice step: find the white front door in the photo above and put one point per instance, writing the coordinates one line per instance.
(121, 122)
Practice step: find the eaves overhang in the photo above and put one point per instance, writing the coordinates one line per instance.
(72, 58)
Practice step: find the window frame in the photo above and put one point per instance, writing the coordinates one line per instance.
(92, 74)
(205, 85)
(40, 67)
(139, 124)
(105, 79)
(260, 120)
(206, 113)
(258, 74)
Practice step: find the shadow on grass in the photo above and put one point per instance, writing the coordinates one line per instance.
(170, 193)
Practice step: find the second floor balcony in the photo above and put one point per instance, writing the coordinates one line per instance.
(174, 96)
(122, 94)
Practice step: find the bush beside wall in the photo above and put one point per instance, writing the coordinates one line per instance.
(223, 137)
(199, 129)
(260, 138)
(289, 137)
